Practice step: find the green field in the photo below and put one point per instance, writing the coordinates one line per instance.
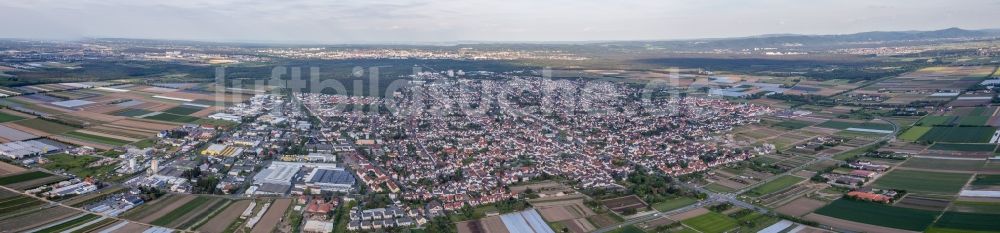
(775, 185)
(45, 126)
(969, 221)
(792, 124)
(131, 112)
(959, 134)
(973, 120)
(975, 207)
(23, 177)
(936, 120)
(674, 203)
(837, 124)
(945, 164)
(183, 110)
(923, 182)
(4, 117)
(879, 214)
(718, 188)
(914, 133)
(172, 118)
(980, 147)
(18, 202)
(77, 165)
(984, 179)
(627, 229)
(711, 222)
(97, 139)
(69, 224)
(181, 211)
(871, 125)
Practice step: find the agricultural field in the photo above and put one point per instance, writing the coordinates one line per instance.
(879, 214)
(273, 215)
(967, 222)
(97, 138)
(23, 177)
(914, 133)
(131, 112)
(711, 222)
(929, 121)
(775, 185)
(624, 203)
(964, 147)
(959, 134)
(930, 183)
(986, 180)
(16, 202)
(945, 164)
(172, 118)
(792, 124)
(180, 216)
(5, 117)
(86, 218)
(673, 203)
(46, 126)
(183, 110)
(224, 218)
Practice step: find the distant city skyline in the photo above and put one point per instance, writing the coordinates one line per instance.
(426, 21)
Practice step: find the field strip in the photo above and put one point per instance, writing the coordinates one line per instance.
(95, 221)
(95, 133)
(61, 221)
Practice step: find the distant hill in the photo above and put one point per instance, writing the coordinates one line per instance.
(819, 41)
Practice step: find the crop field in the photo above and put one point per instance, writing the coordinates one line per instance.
(70, 224)
(131, 112)
(945, 164)
(622, 203)
(45, 126)
(219, 222)
(973, 120)
(5, 117)
(929, 182)
(959, 134)
(172, 118)
(792, 124)
(914, 133)
(837, 124)
(97, 139)
(879, 214)
(171, 218)
(10, 205)
(183, 110)
(775, 185)
(673, 203)
(986, 180)
(975, 207)
(964, 146)
(967, 222)
(936, 121)
(18, 178)
(711, 222)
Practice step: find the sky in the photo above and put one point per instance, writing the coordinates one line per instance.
(368, 21)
